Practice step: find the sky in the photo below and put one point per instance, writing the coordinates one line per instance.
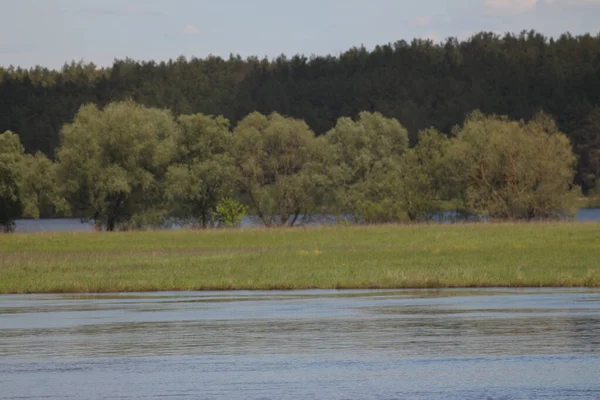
(52, 32)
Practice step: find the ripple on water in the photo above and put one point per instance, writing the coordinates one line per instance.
(498, 344)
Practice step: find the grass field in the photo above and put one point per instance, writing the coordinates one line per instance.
(419, 256)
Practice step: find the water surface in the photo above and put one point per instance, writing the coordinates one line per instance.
(75, 225)
(426, 344)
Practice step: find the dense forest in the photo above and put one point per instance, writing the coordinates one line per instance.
(421, 84)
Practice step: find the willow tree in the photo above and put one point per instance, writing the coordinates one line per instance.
(112, 162)
(426, 182)
(27, 183)
(203, 173)
(515, 170)
(279, 169)
(11, 155)
(365, 156)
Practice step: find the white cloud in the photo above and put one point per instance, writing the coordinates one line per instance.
(191, 30)
(424, 20)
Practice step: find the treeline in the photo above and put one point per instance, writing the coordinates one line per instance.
(127, 166)
(419, 83)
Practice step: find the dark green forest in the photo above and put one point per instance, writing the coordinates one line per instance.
(420, 83)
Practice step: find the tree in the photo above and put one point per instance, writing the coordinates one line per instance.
(203, 174)
(278, 167)
(112, 161)
(27, 183)
(40, 187)
(365, 161)
(11, 155)
(421, 83)
(586, 140)
(230, 212)
(515, 170)
(425, 179)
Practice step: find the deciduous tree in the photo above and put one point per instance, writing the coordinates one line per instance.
(204, 171)
(515, 170)
(112, 161)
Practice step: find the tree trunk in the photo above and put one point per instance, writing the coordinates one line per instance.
(110, 223)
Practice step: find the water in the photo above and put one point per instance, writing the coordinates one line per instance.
(449, 344)
(75, 225)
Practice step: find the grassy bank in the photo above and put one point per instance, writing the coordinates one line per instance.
(482, 255)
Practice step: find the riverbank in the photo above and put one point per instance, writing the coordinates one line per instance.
(417, 256)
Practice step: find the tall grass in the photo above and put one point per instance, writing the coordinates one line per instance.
(417, 256)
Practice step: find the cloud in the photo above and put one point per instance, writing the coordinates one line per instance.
(190, 30)
(423, 20)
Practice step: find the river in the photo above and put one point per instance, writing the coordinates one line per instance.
(405, 344)
(75, 225)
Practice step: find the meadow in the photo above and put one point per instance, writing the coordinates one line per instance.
(342, 257)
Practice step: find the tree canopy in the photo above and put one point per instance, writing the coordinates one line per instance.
(420, 83)
(112, 161)
(514, 170)
(127, 166)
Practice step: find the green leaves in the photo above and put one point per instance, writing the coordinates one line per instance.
(364, 160)
(204, 171)
(11, 156)
(130, 167)
(514, 170)
(275, 158)
(230, 212)
(112, 161)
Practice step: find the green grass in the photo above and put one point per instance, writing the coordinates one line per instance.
(415, 256)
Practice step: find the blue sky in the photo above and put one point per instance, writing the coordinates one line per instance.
(50, 32)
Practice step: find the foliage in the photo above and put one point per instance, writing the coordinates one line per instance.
(586, 142)
(515, 170)
(230, 212)
(130, 167)
(278, 163)
(11, 155)
(203, 173)
(112, 161)
(40, 188)
(420, 83)
(365, 156)
(425, 177)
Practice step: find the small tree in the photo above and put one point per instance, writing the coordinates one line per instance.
(230, 212)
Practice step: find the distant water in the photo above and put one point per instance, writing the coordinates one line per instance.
(75, 225)
(588, 214)
(493, 344)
